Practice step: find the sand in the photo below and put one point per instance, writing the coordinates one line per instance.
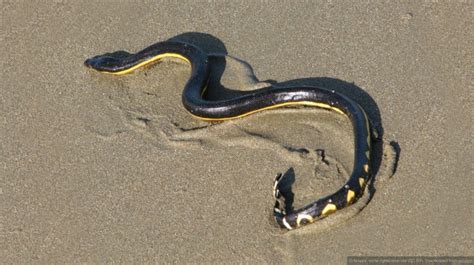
(98, 169)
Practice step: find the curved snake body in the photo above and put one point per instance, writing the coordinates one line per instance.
(259, 100)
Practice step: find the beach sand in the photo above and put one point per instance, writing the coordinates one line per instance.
(96, 168)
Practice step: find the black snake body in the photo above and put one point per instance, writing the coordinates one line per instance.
(260, 99)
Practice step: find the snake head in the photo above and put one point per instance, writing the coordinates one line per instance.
(107, 62)
(102, 63)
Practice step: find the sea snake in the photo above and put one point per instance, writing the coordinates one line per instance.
(121, 63)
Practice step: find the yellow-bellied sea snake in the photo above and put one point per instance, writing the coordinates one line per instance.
(259, 100)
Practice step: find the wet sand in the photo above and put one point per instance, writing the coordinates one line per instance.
(97, 169)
